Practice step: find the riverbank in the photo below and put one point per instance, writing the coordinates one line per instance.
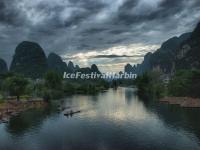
(13, 107)
(187, 102)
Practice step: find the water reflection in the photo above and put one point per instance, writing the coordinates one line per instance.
(114, 120)
(20, 124)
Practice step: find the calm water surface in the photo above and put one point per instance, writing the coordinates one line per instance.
(114, 120)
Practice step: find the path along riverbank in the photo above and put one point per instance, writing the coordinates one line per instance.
(182, 101)
(13, 107)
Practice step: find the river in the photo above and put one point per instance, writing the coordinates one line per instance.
(111, 120)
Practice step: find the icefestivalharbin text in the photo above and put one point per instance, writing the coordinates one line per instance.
(94, 75)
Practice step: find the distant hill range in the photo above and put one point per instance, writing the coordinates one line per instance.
(30, 60)
(3, 66)
(89, 70)
(56, 63)
(176, 53)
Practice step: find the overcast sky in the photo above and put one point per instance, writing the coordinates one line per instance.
(109, 33)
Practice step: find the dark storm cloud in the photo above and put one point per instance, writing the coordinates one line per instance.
(8, 14)
(165, 8)
(93, 31)
(71, 26)
(117, 31)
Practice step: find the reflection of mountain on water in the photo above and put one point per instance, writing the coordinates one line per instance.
(30, 119)
(180, 118)
(116, 118)
(130, 94)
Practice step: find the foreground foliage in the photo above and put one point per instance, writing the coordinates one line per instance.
(185, 83)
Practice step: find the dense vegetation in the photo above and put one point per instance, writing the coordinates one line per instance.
(150, 84)
(15, 85)
(52, 86)
(184, 83)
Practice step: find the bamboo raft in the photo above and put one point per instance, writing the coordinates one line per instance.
(71, 112)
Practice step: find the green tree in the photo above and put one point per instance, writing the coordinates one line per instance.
(53, 86)
(53, 80)
(15, 85)
(185, 83)
(150, 84)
